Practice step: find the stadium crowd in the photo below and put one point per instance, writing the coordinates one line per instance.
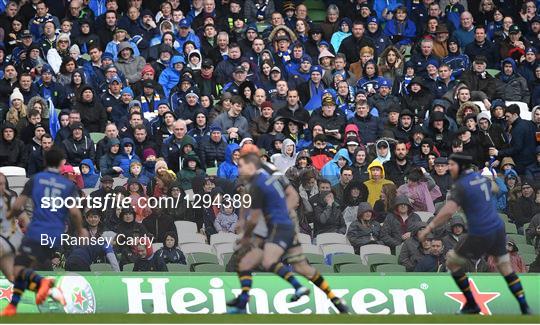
(359, 107)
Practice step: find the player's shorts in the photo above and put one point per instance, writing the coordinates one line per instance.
(261, 230)
(33, 254)
(474, 246)
(282, 235)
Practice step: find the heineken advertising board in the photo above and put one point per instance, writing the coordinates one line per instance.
(188, 293)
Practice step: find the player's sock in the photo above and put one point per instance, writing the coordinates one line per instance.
(514, 283)
(19, 285)
(32, 279)
(245, 282)
(462, 281)
(284, 272)
(320, 282)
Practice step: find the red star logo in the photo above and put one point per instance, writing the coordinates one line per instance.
(6, 293)
(482, 298)
(79, 299)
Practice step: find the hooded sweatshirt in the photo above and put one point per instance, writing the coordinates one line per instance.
(90, 179)
(283, 161)
(386, 158)
(123, 160)
(375, 186)
(228, 169)
(331, 170)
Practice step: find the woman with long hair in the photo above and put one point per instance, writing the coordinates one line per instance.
(385, 204)
(67, 68)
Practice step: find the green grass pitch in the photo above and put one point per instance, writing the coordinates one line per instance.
(291, 319)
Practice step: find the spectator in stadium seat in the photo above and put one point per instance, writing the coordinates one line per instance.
(170, 252)
(36, 161)
(170, 77)
(12, 150)
(533, 231)
(42, 15)
(477, 79)
(327, 215)
(482, 46)
(88, 172)
(107, 158)
(212, 148)
(465, 32)
(332, 169)
(522, 145)
(441, 176)
(435, 261)
(233, 124)
(370, 126)
(351, 45)
(93, 115)
(458, 230)
(413, 251)
(147, 261)
(191, 168)
(364, 230)
(421, 189)
(399, 165)
(512, 86)
(126, 156)
(518, 264)
(129, 64)
(396, 224)
(228, 169)
(525, 207)
(376, 181)
(16, 110)
(419, 98)
(78, 146)
(287, 157)
(401, 30)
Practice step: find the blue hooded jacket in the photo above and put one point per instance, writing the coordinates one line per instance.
(123, 160)
(331, 170)
(228, 169)
(170, 77)
(340, 35)
(90, 179)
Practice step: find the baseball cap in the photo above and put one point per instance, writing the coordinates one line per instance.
(352, 141)
(514, 29)
(183, 23)
(275, 69)
(47, 69)
(441, 161)
(316, 68)
(26, 33)
(148, 84)
(207, 63)
(385, 83)
(115, 78)
(239, 69)
(372, 20)
(328, 101)
(282, 38)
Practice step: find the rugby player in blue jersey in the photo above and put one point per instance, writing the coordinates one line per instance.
(32, 253)
(487, 236)
(270, 198)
